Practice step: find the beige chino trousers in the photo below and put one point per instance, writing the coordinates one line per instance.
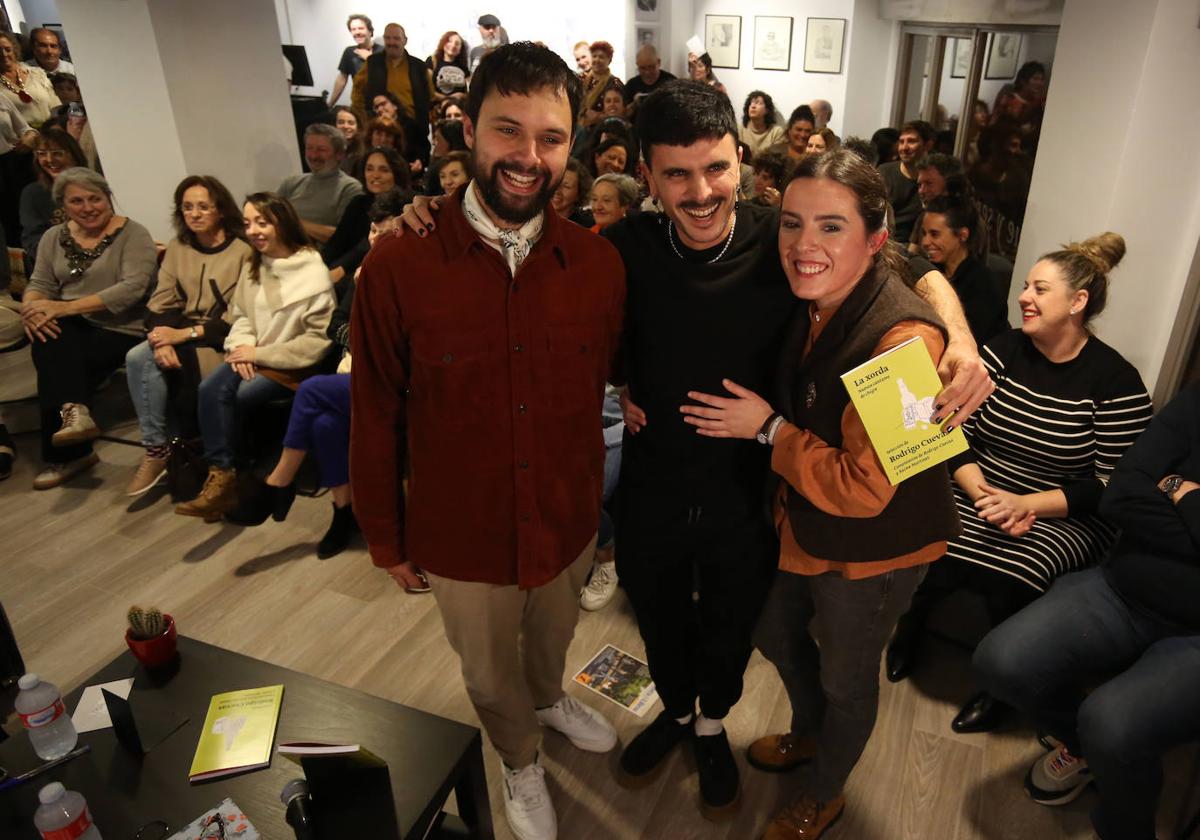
(512, 644)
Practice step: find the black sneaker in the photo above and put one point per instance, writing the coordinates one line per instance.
(720, 794)
(643, 757)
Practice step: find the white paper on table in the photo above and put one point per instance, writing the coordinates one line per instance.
(92, 713)
(695, 45)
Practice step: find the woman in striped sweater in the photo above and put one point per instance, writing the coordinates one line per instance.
(1066, 407)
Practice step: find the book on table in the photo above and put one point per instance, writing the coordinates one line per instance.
(238, 732)
(894, 394)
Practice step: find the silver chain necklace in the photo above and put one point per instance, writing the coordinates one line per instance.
(675, 248)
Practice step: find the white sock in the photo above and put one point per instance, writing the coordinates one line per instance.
(683, 721)
(708, 726)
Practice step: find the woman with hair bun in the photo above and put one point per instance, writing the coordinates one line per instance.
(1066, 407)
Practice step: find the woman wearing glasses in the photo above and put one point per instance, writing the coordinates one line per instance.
(54, 151)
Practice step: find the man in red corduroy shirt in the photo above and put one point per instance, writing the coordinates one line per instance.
(480, 352)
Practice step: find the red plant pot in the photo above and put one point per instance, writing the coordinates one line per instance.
(156, 651)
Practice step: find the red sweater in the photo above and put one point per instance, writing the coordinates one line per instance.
(488, 388)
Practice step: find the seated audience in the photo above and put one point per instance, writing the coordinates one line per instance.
(54, 152)
(380, 171)
(700, 70)
(16, 142)
(451, 108)
(448, 137)
(801, 125)
(346, 121)
(47, 52)
(27, 88)
(950, 233)
(448, 70)
(1043, 446)
(187, 320)
(886, 142)
(382, 131)
(1107, 663)
(321, 196)
(353, 57)
(386, 105)
(611, 155)
(453, 170)
(759, 129)
(771, 170)
(612, 102)
(572, 194)
(82, 311)
(611, 197)
(281, 310)
(74, 121)
(938, 175)
(598, 80)
(823, 140)
(916, 139)
(650, 77)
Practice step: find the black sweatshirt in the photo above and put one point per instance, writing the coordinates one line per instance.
(1156, 562)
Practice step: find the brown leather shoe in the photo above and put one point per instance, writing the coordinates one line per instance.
(805, 819)
(218, 496)
(781, 753)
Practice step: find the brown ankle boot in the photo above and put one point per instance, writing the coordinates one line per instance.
(218, 495)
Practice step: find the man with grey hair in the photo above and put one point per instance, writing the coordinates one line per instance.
(823, 111)
(321, 195)
(650, 77)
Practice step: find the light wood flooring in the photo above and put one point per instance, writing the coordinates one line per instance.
(74, 558)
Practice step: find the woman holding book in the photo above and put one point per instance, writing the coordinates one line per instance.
(1066, 407)
(853, 547)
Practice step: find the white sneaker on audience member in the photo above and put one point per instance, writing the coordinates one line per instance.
(584, 727)
(55, 474)
(77, 425)
(601, 588)
(527, 803)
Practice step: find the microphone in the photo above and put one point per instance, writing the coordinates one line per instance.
(296, 799)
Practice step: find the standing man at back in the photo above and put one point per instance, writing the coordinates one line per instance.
(354, 57)
(916, 141)
(403, 75)
(481, 353)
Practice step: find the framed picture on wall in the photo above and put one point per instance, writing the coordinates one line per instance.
(1003, 50)
(723, 40)
(645, 10)
(823, 40)
(960, 58)
(647, 35)
(772, 43)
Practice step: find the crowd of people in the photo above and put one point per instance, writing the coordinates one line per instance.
(607, 409)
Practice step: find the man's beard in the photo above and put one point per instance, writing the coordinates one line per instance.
(491, 43)
(515, 210)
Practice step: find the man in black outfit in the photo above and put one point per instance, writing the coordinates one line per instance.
(916, 141)
(650, 77)
(707, 302)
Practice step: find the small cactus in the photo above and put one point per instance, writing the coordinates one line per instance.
(146, 623)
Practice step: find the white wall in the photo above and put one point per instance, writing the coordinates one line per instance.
(870, 70)
(1030, 12)
(171, 89)
(320, 26)
(33, 12)
(1136, 175)
(791, 88)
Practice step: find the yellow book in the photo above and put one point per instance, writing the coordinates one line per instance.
(238, 732)
(894, 394)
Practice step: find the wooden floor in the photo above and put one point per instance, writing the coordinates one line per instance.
(73, 559)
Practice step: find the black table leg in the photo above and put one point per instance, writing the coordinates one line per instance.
(471, 791)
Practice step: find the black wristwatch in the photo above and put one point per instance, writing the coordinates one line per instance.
(1170, 485)
(763, 435)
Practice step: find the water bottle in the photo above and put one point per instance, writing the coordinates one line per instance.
(41, 709)
(63, 815)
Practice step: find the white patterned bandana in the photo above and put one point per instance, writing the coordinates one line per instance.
(513, 245)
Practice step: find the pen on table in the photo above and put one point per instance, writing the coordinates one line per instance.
(49, 765)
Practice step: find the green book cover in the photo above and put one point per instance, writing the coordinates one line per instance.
(894, 394)
(238, 732)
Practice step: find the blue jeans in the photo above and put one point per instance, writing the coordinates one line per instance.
(320, 422)
(224, 399)
(612, 420)
(148, 390)
(1080, 633)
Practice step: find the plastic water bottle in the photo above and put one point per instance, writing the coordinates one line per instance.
(63, 815)
(41, 709)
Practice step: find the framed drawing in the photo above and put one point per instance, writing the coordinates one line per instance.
(723, 40)
(772, 43)
(823, 40)
(960, 57)
(1003, 50)
(645, 10)
(646, 35)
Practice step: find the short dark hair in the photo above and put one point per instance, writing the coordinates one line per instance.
(227, 208)
(58, 138)
(395, 162)
(921, 128)
(522, 68)
(768, 103)
(884, 140)
(951, 169)
(583, 181)
(865, 149)
(610, 143)
(288, 229)
(33, 33)
(959, 211)
(775, 164)
(683, 112)
(452, 133)
(366, 22)
(388, 204)
(1028, 70)
(802, 112)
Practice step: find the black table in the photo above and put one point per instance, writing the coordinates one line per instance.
(427, 756)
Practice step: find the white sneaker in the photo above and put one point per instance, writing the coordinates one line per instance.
(601, 588)
(1057, 777)
(584, 727)
(527, 803)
